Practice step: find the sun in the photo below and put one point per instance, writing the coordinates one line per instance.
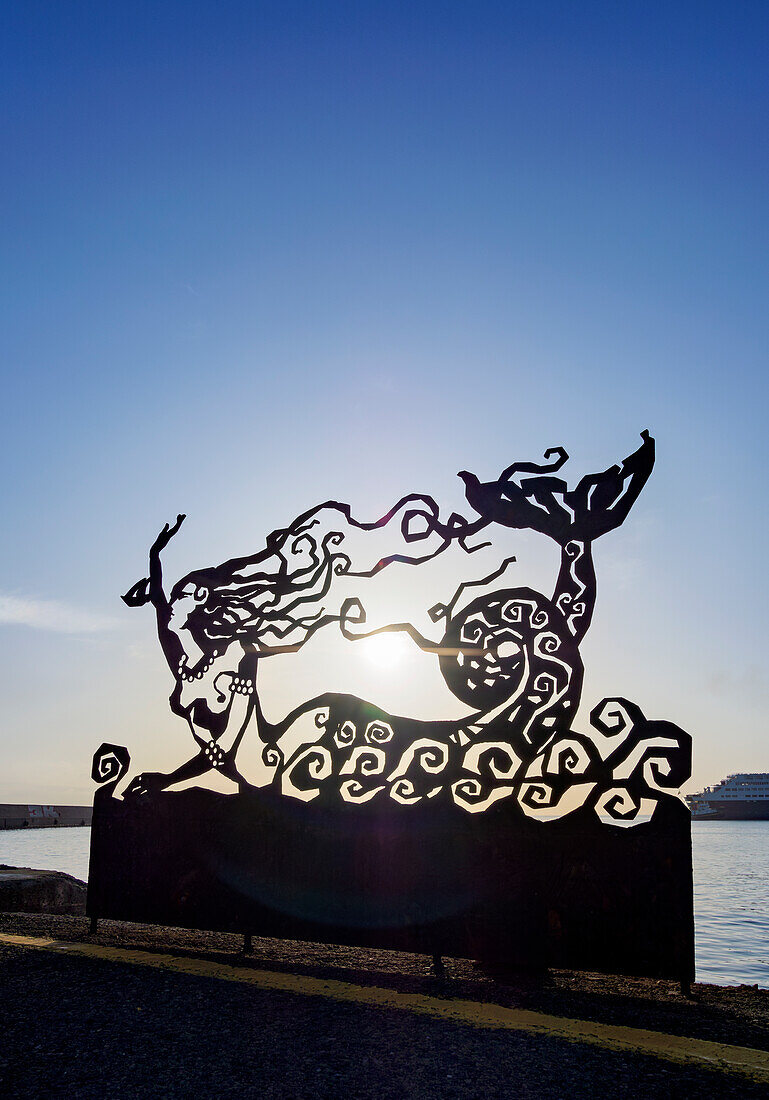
(384, 651)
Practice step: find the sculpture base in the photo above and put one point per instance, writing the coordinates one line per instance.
(506, 890)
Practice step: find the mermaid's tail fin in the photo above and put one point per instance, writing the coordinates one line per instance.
(598, 504)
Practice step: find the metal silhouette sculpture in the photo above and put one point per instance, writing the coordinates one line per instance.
(376, 828)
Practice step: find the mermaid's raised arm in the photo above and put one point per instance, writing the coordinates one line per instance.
(150, 590)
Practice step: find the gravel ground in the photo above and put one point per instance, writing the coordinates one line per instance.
(86, 1028)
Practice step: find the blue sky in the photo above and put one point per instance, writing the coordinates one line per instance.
(256, 255)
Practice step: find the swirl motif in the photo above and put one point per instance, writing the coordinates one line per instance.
(306, 772)
(423, 758)
(404, 791)
(496, 756)
(563, 603)
(378, 733)
(272, 757)
(655, 771)
(345, 735)
(490, 652)
(342, 564)
(615, 716)
(473, 631)
(512, 612)
(352, 790)
(547, 644)
(620, 772)
(108, 767)
(536, 794)
(429, 755)
(365, 762)
(649, 765)
(492, 762)
(110, 764)
(567, 755)
(469, 793)
(545, 683)
(619, 804)
(659, 752)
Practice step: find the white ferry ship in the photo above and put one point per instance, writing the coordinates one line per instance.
(741, 797)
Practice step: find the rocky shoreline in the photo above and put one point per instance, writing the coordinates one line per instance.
(26, 890)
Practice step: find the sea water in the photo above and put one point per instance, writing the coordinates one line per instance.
(731, 901)
(731, 889)
(53, 849)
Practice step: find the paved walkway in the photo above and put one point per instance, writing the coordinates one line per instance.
(102, 1020)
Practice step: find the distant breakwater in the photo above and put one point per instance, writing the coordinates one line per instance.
(31, 816)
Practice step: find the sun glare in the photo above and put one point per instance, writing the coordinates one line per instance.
(384, 651)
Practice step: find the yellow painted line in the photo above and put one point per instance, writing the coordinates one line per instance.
(675, 1048)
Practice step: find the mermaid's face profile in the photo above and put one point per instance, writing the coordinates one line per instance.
(181, 605)
(184, 609)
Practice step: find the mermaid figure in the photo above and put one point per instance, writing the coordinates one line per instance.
(512, 655)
